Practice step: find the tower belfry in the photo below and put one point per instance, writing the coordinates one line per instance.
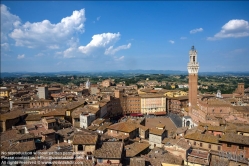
(193, 67)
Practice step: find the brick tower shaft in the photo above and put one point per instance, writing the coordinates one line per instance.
(193, 81)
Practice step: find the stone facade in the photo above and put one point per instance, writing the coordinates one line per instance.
(42, 92)
(155, 140)
(153, 103)
(86, 119)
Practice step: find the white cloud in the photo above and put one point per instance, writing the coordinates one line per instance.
(99, 45)
(183, 38)
(39, 54)
(69, 53)
(61, 38)
(196, 30)
(232, 29)
(46, 34)
(72, 51)
(97, 19)
(58, 53)
(119, 59)
(238, 51)
(111, 50)
(5, 47)
(171, 41)
(103, 40)
(20, 56)
(8, 22)
(54, 46)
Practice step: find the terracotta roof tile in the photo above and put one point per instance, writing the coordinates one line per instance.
(93, 128)
(243, 129)
(234, 138)
(59, 112)
(203, 137)
(81, 138)
(181, 130)
(98, 121)
(51, 89)
(123, 126)
(11, 115)
(156, 131)
(104, 126)
(33, 117)
(109, 150)
(25, 136)
(49, 131)
(178, 142)
(23, 147)
(134, 149)
(137, 161)
(199, 157)
(143, 127)
(10, 134)
(157, 156)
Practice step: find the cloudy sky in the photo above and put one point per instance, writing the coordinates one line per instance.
(92, 36)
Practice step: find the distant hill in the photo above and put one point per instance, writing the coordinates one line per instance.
(116, 73)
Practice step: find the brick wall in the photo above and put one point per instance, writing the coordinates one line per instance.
(193, 78)
(234, 148)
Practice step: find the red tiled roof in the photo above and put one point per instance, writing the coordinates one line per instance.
(33, 117)
(123, 126)
(81, 138)
(60, 112)
(23, 147)
(109, 150)
(11, 115)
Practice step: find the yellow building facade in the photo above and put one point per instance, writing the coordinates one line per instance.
(4, 93)
(175, 93)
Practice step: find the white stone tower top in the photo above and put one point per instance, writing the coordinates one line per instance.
(193, 65)
(218, 95)
(88, 84)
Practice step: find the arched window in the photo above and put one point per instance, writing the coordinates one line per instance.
(187, 123)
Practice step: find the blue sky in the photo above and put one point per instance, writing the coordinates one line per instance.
(53, 36)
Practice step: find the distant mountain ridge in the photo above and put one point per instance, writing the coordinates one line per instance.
(115, 73)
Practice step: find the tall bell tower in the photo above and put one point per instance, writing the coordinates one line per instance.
(193, 67)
